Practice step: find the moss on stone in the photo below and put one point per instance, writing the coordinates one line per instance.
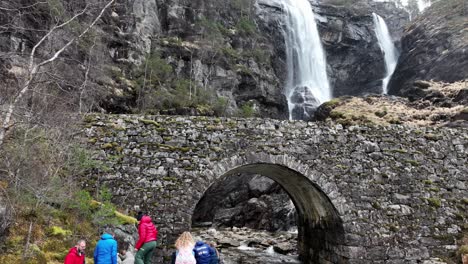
(459, 216)
(211, 128)
(107, 146)
(376, 205)
(167, 147)
(393, 228)
(332, 103)
(170, 179)
(465, 201)
(89, 118)
(150, 122)
(336, 115)
(431, 136)
(463, 250)
(125, 219)
(343, 167)
(434, 202)
(184, 149)
(216, 149)
(427, 182)
(413, 162)
(402, 151)
(231, 124)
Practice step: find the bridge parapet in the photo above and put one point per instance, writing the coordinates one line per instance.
(364, 194)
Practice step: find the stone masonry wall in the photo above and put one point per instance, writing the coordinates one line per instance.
(400, 192)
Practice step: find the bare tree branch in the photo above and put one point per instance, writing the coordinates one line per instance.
(33, 69)
(22, 7)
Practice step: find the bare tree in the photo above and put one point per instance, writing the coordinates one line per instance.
(34, 66)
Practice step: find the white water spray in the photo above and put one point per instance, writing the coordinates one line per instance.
(387, 47)
(307, 84)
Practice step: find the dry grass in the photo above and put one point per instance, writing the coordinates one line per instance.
(386, 110)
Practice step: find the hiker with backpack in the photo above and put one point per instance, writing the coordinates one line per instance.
(184, 254)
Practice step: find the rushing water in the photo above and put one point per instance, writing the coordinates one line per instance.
(387, 47)
(247, 246)
(307, 84)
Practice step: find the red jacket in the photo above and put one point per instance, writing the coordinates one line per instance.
(73, 257)
(147, 231)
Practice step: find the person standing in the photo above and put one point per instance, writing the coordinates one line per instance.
(204, 254)
(184, 254)
(106, 250)
(125, 255)
(148, 234)
(76, 255)
(216, 258)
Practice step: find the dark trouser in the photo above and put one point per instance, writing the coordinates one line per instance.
(144, 254)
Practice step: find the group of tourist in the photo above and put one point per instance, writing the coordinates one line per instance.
(187, 251)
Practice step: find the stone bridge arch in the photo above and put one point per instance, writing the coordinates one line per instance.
(395, 194)
(320, 229)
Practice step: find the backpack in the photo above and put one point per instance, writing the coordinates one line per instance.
(185, 256)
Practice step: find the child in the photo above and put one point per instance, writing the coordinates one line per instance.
(184, 254)
(125, 255)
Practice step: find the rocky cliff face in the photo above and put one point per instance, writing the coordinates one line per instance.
(434, 47)
(246, 200)
(228, 51)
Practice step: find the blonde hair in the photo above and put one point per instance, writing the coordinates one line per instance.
(184, 240)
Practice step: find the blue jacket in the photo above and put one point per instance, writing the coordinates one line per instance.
(106, 250)
(204, 254)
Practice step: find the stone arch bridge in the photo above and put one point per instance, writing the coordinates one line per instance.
(363, 194)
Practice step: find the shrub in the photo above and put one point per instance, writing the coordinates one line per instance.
(246, 26)
(247, 110)
(220, 106)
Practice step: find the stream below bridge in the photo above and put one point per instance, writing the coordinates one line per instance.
(247, 246)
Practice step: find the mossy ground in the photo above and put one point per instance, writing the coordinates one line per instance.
(386, 110)
(54, 232)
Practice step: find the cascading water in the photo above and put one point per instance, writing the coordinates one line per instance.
(387, 47)
(307, 84)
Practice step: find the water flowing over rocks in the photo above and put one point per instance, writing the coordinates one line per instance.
(243, 245)
(244, 68)
(356, 63)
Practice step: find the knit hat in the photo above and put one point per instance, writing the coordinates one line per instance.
(139, 216)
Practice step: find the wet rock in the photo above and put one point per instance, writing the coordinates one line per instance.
(304, 102)
(243, 245)
(251, 201)
(284, 248)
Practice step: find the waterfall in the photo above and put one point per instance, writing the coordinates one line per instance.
(423, 4)
(307, 83)
(387, 47)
